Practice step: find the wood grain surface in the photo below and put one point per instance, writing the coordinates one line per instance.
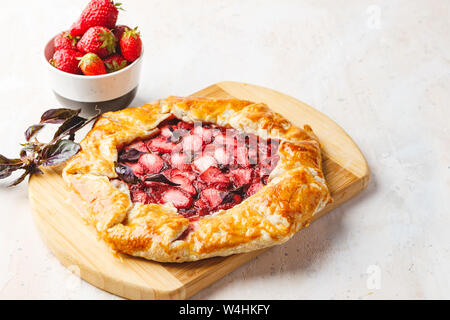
(75, 243)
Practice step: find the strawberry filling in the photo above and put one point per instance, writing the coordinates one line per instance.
(199, 169)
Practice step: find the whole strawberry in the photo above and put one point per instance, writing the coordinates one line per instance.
(118, 31)
(115, 63)
(97, 13)
(131, 45)
(66, 60)
(65, 41)
(98, 40)
(92, 65)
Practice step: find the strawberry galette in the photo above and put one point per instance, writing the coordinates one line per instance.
(185, 179)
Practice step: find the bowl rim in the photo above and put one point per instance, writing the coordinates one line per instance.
(80, 76)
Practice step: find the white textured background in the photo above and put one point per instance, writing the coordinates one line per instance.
(381, 69)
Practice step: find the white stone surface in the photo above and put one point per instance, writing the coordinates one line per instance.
(381, 69)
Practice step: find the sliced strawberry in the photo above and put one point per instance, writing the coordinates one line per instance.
(214, 177)
(209, 150)
(138, 145)
(166, 131)
(254, 188)
(165, 157)
(233, 133)
(201, 203)
(222, 156)
(192, 143)
(241, 177)
(263, 149)
(199, 185)
(177, 172)
(180, 161)
(139, 195)
(136, 167)
(151, 163)
(212, 196)
(185, 125)
(178, 198)
(253, 155)
(203, 163)
(154, 189)
(185, 184)
(178, 134)
(260, 171)
(242, 157)
(202, 207)
(225, 139)
(160, 144)
(205, 133)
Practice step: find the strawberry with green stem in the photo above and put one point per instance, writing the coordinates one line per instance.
(92, 65)
(98, 40)
(97, 13)
(67, 60)
(131, 45)
(115, 63)
(65, 40)
(118, 32)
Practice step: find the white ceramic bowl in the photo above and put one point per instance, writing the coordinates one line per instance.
(111, 91)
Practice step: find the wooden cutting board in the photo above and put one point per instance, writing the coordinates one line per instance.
(76, 245)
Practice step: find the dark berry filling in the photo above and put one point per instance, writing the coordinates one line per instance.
(199, 168)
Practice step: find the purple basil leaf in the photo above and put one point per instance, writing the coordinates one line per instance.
(239, 190)
(8, 166)
(126, 173)
(58, 115)
(6, 171)
(223, 167)
(130, 155)
(59, 152)
(30, 147)
(23, 155)
(69, 127)
(159, 177)
(4, 161)
(32, 131)
(21, 178)
(229, 197)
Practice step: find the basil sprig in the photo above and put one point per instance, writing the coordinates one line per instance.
(35, 153)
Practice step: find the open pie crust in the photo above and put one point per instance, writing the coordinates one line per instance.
(295, 192)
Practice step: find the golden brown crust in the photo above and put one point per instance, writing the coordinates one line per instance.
(296, 190)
